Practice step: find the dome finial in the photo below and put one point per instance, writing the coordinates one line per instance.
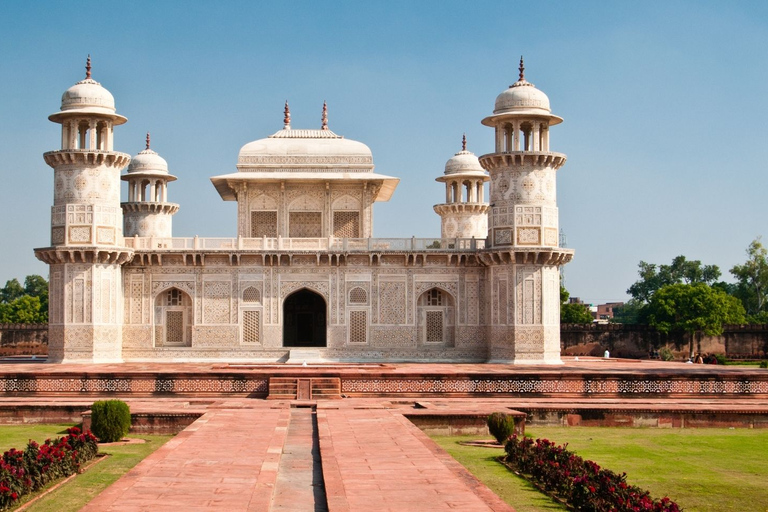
(325, 116)
(522, 70)
(88, 67)
(464, 142)
(147, 140)
(286, 117)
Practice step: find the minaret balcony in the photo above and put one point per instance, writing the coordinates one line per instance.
(493, 161)
(150, 207)
(86, 157)
(444, 208)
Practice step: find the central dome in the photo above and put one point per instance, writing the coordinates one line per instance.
(302, 149)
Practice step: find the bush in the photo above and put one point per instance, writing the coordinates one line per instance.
(110, 420)
(583, 484)
(721, 359)
(501, 426)
(665, 354)
(763, 364)
(24, 472)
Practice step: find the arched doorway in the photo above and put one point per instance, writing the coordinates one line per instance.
(304, 320)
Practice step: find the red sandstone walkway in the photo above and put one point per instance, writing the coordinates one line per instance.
(226, 460)
(373, 459)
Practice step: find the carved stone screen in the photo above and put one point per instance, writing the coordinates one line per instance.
(346, 224)
(264, 224)
(434, 326)
(251, 326)
(174, 327)
(358, 296)
(357, 327)
(305, 225)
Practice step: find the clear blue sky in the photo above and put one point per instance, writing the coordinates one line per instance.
(664, 105)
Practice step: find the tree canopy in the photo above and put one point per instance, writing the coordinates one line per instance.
(653, 277)
(752, 281)
(688, 308)
(26, 304)
(573, 313)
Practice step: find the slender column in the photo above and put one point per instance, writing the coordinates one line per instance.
(92, 134)
(535, 137)
(516, 129)
(447, 193)
(152, 191)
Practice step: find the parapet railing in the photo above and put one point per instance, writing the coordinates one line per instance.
(306, 244)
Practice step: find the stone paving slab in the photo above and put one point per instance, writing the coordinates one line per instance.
(375, 459)
(226, 460)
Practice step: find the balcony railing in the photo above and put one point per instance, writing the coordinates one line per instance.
(306, 244)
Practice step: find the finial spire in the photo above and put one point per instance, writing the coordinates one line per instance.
(325, 116)
(88, 67)
(464, 142)
(522, 70)
(147, 140)
(286, 117)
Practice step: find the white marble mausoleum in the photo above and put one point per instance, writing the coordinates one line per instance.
(305, 277)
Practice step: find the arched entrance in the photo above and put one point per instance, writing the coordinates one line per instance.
(304, 320)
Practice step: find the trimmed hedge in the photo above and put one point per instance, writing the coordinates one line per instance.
(24, 472)
(582, 484)
(110, 420)
(501, 426)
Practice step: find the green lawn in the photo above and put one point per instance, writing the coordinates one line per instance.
(481, 462)
(701, 469)
(80, 490)
(18, 436)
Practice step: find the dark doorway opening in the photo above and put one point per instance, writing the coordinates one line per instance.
(304, 320)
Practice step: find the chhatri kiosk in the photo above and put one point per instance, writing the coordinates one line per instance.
(305, 273)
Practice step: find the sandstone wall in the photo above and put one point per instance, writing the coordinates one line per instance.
(737, 341)
(23, 339)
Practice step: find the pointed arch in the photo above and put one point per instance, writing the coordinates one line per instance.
(173, 318)
(435, 313)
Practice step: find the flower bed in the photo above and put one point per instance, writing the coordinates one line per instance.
(582, 484)
(24, 472)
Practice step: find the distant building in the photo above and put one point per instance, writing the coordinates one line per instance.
(604, 312)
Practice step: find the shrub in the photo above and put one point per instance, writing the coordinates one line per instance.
(583, 484)
(763, 364)
(501, 426)
(110, 420)
(24, 472)
(721, 359)
(665, 354)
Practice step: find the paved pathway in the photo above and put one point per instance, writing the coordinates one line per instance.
(373, 459)
(226, 460)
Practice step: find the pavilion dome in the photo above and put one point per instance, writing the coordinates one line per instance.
(463, 162)
(522, 96)
(88, 97)
(148, 161)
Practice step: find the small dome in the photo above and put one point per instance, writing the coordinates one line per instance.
(88, 97)
(522, 96)
(147, 161)
(463, 162)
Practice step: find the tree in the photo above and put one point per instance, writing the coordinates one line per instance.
(653, 277)
(692, 308)
(631, 312)
(752, 279)
(573, 313)
(11, 291)
(24, 305)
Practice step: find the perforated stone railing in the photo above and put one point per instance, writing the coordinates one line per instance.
(307, 244)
